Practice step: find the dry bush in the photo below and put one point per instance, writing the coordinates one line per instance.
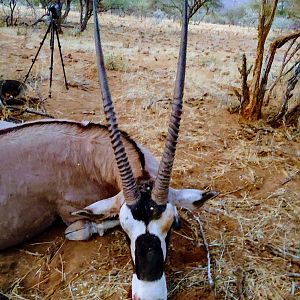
(115, 62)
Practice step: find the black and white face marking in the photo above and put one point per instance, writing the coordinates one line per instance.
(149, 258)
(147, 226)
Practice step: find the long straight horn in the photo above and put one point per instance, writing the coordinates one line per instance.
(130, 189)
(162, 182)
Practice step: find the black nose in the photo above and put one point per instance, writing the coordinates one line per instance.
(149, 259)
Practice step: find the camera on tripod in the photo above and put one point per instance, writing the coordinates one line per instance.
(54, 10)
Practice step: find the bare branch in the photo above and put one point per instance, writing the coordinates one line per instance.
(210, 280)
(285, 61)
(41, 19)
(278, 43)
(291, 116)
(270, 18)
(291, 68)
(294, 275)
(245, 88)
(283, 253)
(196, 5)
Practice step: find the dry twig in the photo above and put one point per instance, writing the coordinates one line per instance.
(285, 61)
(290, 178)
(290, 117)
(283, 253)
(294, 275)
(210, 280)
(240, 282)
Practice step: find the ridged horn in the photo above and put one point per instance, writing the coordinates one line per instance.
(162, 181)
(130, 189)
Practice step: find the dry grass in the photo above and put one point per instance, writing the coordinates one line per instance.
(256, 168)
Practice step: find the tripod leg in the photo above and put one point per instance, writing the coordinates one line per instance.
(61, 57)
(52, 52)
(41, 45)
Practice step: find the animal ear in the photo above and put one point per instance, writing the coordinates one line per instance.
(190, 198)
(102, 209)
(204, 197)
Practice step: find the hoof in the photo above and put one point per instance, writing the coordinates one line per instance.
(79, 231)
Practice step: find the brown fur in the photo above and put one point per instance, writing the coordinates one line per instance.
(51, 168)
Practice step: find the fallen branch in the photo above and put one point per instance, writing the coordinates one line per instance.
(234, 191)
(39, 113)
(240, 282)
(210, 280)
(3, 296)
(294, 275)
(290, 178)
(283, 253)
(22, 110)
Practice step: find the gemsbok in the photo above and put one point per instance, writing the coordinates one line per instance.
(87, 174)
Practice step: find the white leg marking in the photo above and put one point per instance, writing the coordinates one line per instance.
(104, 226)
(82, 230)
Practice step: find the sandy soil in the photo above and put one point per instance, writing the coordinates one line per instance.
(255, 167)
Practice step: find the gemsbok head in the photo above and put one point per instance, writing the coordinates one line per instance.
(146, 215)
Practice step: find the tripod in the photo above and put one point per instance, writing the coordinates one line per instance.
(52, 28)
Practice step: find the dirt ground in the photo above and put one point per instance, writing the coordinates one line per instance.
(256, 168)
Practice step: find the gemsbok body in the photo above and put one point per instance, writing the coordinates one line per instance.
(88, 174)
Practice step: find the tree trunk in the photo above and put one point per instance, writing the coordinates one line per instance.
(252, 107)
(12, 6)
(245, 88)
(66, 12)
(86, 11)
